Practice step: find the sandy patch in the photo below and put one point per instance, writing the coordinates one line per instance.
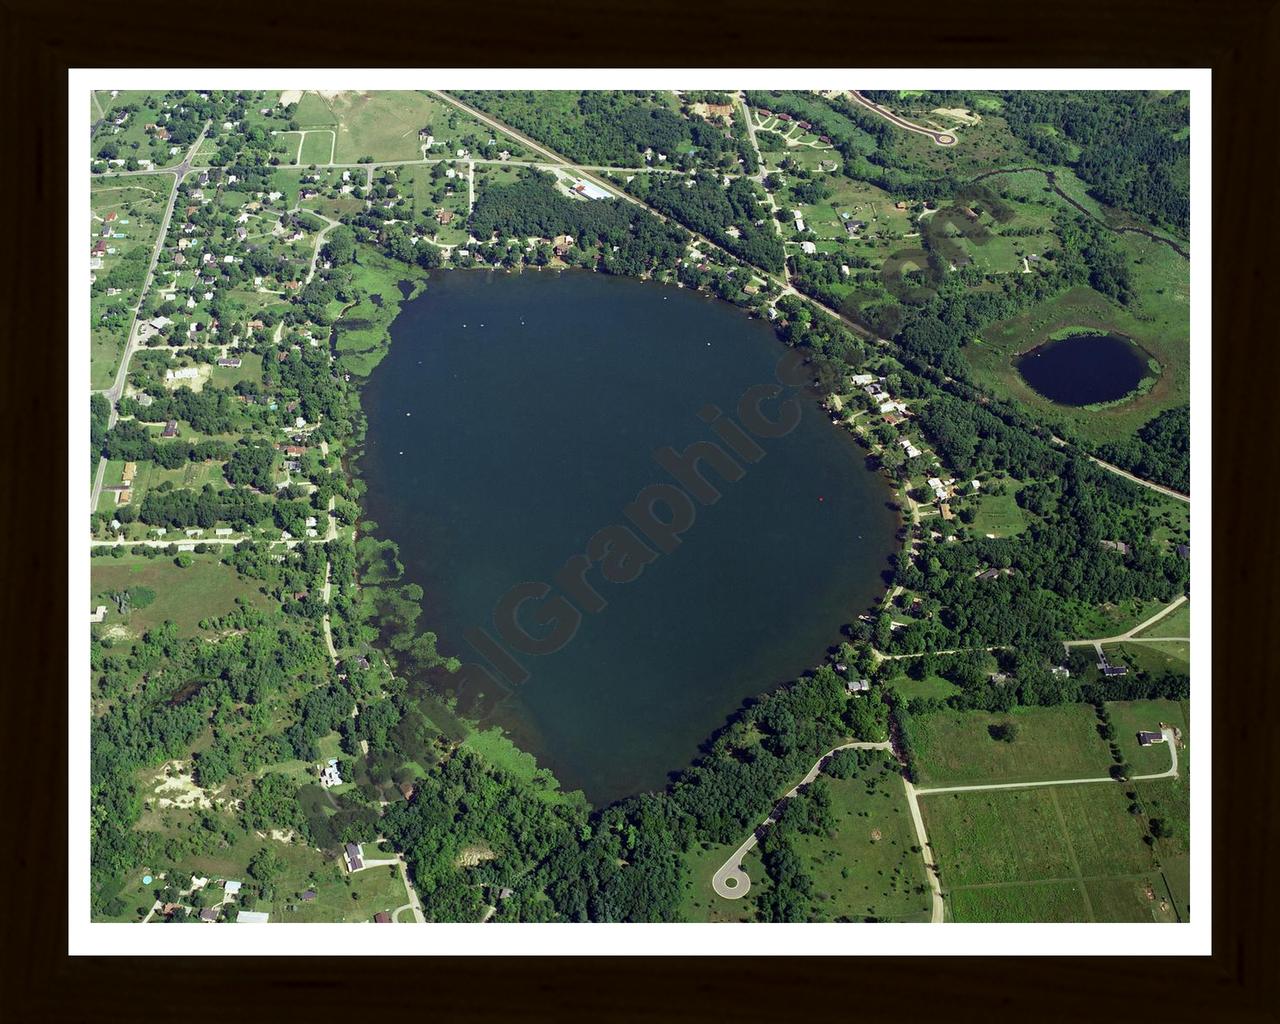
(117, 633)
(176, 788)
(958, 114)
(290, 96)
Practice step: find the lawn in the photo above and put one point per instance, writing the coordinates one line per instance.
(1000, 515)
(206, 589)
(317, 147)
(1156, 657)
(1130, 716)
(929, 686)
(1062, 742)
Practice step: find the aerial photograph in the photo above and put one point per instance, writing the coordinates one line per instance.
(636, 505)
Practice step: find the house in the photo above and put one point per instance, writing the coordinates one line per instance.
(1114, 670)
(856, 686)
(352, 852)
(308, 896)
(253, 917)
(233, 364)
(1145, 739)
(99, 613)
(1184, 551)
(382, 917)
(1115, 545)
(938, 488)
(808, 247)
(223, 531)
(231, 888)
(444, 216)
(945, 509)
(911, 450)
(329, 774)
(129, 472)
(362, 662)
(1060, 670)
(99, 249)
(860, 379)
(170, 429)
(899, 205)
(209, 914)
(989, 574)
(783, 117)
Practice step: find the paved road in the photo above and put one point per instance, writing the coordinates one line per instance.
(117, 389)
(1130, 636)
(730, 881)
(941, 138)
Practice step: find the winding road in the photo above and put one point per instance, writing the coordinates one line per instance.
(730, 881)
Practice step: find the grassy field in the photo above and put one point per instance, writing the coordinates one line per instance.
(929, 686)
(317, 147)
(866, 868)
(1157, 657)
(699, 902)
(1063, 853)
(955, 747)
(1000, 515)
(1176, 623)
(1114, 619)
(1158, 323)
(206, 589)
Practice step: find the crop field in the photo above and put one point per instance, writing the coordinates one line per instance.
(206, 589)
(1062, 742)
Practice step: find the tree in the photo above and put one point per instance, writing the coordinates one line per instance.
(1004, 732)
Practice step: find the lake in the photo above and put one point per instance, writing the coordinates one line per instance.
(516, 416)
(1084, 368)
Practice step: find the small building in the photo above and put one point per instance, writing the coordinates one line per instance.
(170, 429)
(856, 686)
(352, 852)
(308, 896)
(1145, 739)
(381, 917)
(253, 917)
(99, 613)
(1115, 545)
(231, 888)
(900, 205)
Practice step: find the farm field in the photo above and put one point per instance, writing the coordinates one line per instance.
(204, 590)
(1062, 742)
(1063, 853)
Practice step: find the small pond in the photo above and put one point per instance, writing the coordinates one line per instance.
(1084, 369)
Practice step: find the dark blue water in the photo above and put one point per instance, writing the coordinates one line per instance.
(497, 449)
(1084, 368)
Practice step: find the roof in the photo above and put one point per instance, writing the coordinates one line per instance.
(209, 914)
(1147, 738)
(252, 917)
(382, 917)
(309, 895)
